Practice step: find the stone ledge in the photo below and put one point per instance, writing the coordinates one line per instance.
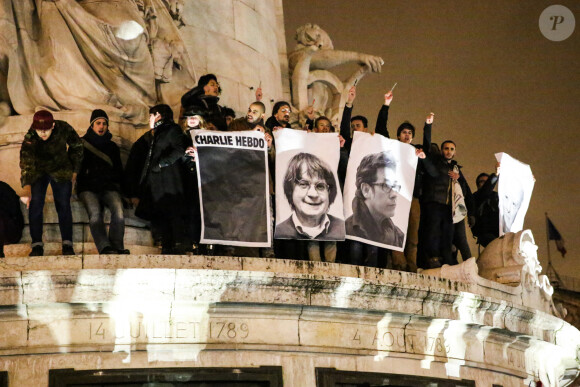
(175, 279)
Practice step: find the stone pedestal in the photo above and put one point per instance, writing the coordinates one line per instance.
(127, 312)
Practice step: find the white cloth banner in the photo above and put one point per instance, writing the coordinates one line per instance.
(308, 197)
(514, 188)
(232, 170)
(378, 190)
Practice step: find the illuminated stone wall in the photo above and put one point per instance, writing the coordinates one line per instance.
(117, 312)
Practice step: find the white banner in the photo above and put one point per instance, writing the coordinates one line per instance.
(514, 188)
(308, 197)
(232, 170)
(378, 190)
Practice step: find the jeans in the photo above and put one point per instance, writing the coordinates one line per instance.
(460, 242)
(61, 192)
(94, 204)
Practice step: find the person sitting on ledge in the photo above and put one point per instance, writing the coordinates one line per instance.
(44, 160)
(99, 185)
(11, 219)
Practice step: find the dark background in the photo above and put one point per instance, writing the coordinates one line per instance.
(494, 82)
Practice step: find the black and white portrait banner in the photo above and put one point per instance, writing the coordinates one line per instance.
(514, 188)
(308, 197)
(378, 190)
(233, 188)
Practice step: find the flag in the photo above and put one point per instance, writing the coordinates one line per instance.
(554, 235)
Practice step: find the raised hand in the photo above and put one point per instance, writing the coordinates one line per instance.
(430, 118)
(351, 96)
(268, 139)
(388, 98)
(259, 94)
(310, 113)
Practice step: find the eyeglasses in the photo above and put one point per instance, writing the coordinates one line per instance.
(318, 186)
(388, 188)
(285, 110)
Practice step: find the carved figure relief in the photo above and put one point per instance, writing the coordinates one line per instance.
(123, 55)
(309, 63)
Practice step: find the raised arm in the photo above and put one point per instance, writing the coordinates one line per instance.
(382, 118)
(427, 133)
(346, 114)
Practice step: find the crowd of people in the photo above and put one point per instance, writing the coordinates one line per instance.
(159, 180)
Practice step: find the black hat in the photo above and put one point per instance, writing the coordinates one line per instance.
(204, 79)
(98, 113)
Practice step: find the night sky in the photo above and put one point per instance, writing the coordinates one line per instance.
(494, 82)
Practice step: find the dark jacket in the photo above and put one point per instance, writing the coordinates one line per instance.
(335, 232)
(436, 185)
(51, 157)
(197, 102)
(486, 209)
(98, 173)
(362, 224)
(272, 122)
(134, 165)
(11, 214)
(162, 171)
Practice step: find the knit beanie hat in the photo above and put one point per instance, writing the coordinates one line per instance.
(98, 113)
(42, 120)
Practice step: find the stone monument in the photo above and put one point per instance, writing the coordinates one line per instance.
(96, 318)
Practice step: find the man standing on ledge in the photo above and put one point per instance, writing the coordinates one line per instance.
(44, 160)
(375, 201)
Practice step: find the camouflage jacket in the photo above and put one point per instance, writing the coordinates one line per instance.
(51, 157)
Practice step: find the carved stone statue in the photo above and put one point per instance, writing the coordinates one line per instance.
(117, 55)
(309, 63)
(511, 260)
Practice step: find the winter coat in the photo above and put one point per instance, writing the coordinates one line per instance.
(101, 170)
(134, 165)
(51, 157)
(162, 171)
(437, 184)
(11, 214)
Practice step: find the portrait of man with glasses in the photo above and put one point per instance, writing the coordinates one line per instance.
(375, 201)
(310, 187)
